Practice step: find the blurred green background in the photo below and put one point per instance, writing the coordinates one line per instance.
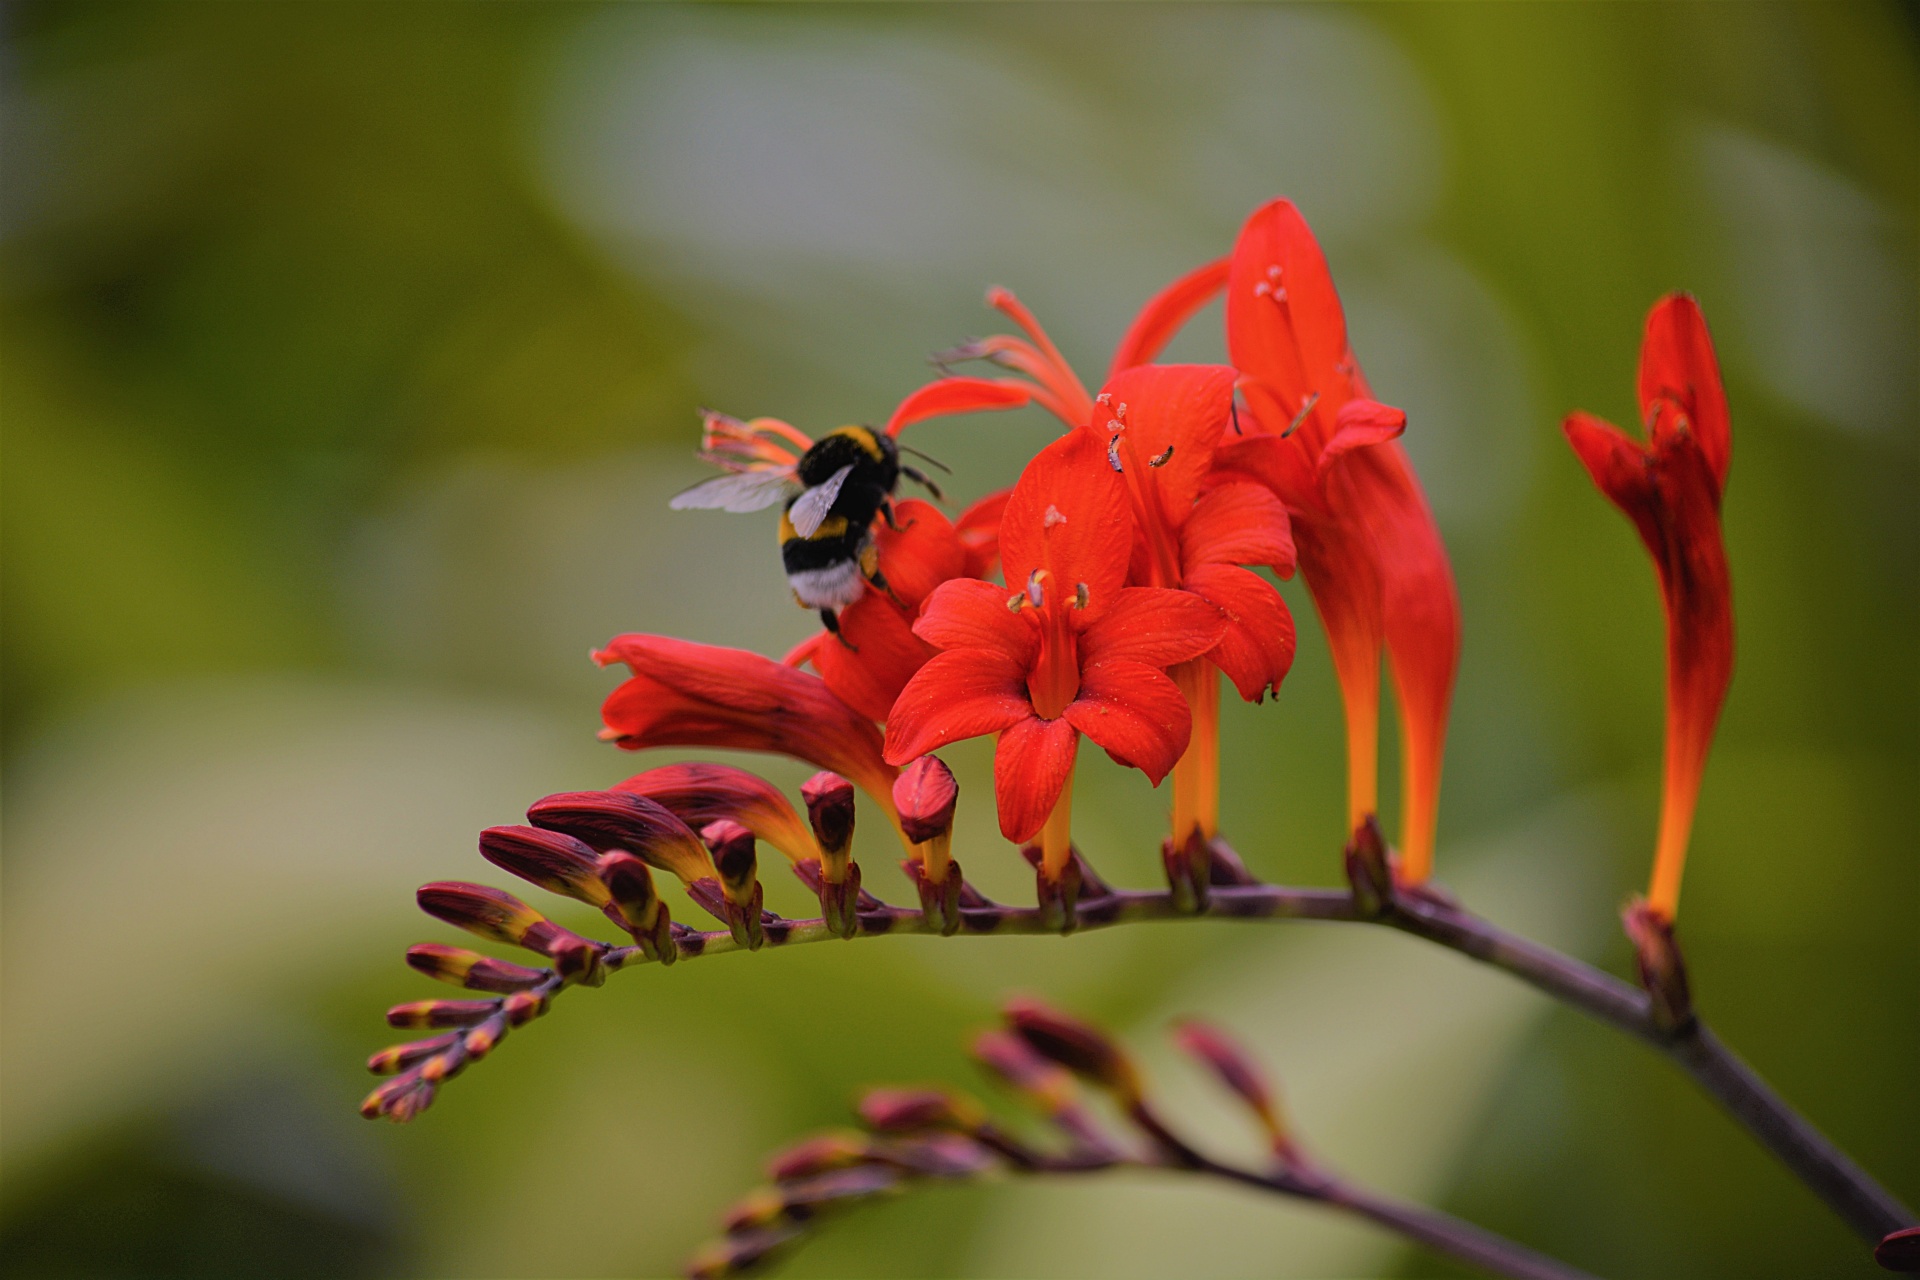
(352, 352)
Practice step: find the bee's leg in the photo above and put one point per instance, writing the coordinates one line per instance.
(831, 621)
(915, 474)
(886, 512)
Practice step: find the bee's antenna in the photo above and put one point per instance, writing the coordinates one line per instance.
(907, 448)
(915, 474)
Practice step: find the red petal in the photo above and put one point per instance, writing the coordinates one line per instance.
(875, 656)
(1421, 612)
(1256, 650)
(951, 396)
(1618, 464)
(1182, 407)
(1152, 625)
(1136, 713)
(1239, 523)
(979, 532)
(1069, 515)
(1288, 328)
(694, 695)
(1678, 365)
(1281, 464)
(959, 694)
(1337, 559)
(1165, 313)
(1359, 424)
(1030, 770)
(923, 553)
(969, 614)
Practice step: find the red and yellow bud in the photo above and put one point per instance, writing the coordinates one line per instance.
(397, 1058)
(479, 909)
(616, 820)
(441, 1013)
(470, 969)
(736, 863)
(636, 907)
(1241, 1075)
(919, 1110)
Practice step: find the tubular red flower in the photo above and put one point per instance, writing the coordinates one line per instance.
(1073, 651)
(1670, 487)
(684, 694)
(1369, 547)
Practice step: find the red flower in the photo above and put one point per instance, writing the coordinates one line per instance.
(1368, 544)
(684, 694)
(1075, 650)
(1670, 488)
(1162, 425)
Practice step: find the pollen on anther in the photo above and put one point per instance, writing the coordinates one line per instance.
(1161, 461)
(1113, 454)
(1081, 596)
(1015, 601)
(1036, 593)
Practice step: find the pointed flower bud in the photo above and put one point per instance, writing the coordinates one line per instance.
(737, 1254)
(925, 794)
(1663, 971)
(553, 860)
(1078, 1046)
(919, 1110)
(399, 1057)
(700, 793)
(441, 1013)
(1231, 1065)
(470, 969)
(615, 820)
(834, 1150)
(491, 913)
(635, 906)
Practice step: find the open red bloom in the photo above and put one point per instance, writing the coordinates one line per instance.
(1370, 550)
(1074, 650)
(1670, 487)
(684, 694)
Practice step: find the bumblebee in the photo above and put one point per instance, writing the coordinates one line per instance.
(834, 490)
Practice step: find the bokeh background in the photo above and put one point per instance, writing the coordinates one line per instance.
(351, 354)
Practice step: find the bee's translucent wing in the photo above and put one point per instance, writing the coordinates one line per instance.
(741, 491)
(810, 509)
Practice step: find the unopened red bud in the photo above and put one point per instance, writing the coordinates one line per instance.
(399, 1099)
(1234, 1068)
(401, 1056)
(701, 792)
(480, 1040)
(477, 908)
(739, 1253)
(818, 1154)
(616, 820)
(830, 809)
(1662, 969)
(761, 1207)
(1047, 1083)
(1078, 1046)
(553, 860)
(472, 970)
(1369, 870)
(937, 1155)
(734, 856)
(441, 1013)
(915, 1110)
(838, 1186)
(576, 959)
(925, 794)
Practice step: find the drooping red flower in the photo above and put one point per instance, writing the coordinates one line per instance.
(1670, 487)
(683, 694)
(1368, 544)
(1074, 650)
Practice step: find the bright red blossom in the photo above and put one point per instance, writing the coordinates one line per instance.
(1073, 650)
(1670, 487)
(1368, 544)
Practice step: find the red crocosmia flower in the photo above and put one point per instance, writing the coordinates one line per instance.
(684, 694)
(1368, 544)
(1074, 650)
(1161, 425)
(1670, 488)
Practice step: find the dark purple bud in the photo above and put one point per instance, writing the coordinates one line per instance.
(734, 856)
(1236, 1070)
(491, 913)
(401, 1056)
(441, 1013)
(636, 906)
(1078, 1046)
(739, 1253)
(553, 860)
(523, 1007)
(936, 1155)
(818, 1154)
(616, 820)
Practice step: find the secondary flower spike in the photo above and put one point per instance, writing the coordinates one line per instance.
(1670, 487)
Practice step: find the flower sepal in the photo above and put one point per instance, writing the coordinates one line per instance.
(1662, 969)
(1370, 869)
(1189, 871)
